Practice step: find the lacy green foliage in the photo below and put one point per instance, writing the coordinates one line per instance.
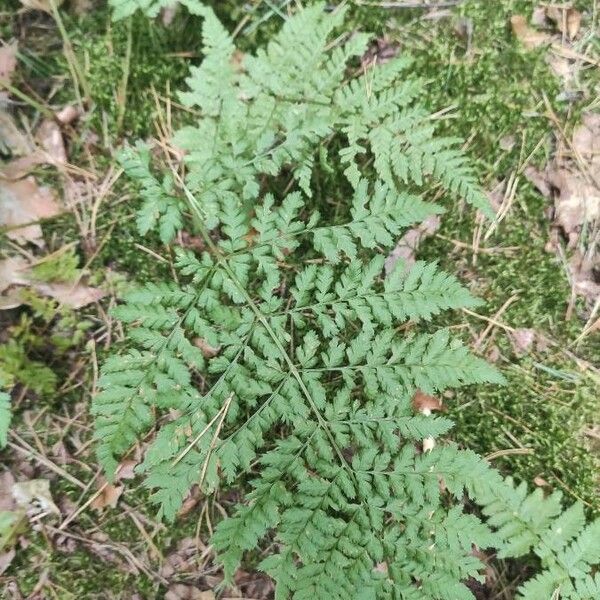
(151, 8)
(568, 549)
(274, 109)
(281, 353)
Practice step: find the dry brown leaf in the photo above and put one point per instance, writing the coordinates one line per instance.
(530, 38)
(179, 591)
(577, 202)
(19, 167)
(50, 139)
(126, 469)
(68, 114)
(13, 271)
(540, 482)
(8, 60)
(424, 403)
(585, 276)
(73, 296)
(566, 19)
(382, 50)
(407, 245)
(521, 340)
(11, 139)
(23, 203)
(108, 496)
(182, 560)
(5, 559)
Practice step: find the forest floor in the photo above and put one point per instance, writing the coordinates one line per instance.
(520, 82)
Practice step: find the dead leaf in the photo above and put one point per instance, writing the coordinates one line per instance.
(191, 501)
(530, 38)
(13, 271)
(34, 496)
(8, 61)
(12, 141)
(407, 245)
(50, 139)
(7, 502)
(109, 495)
(253, 584)
(44, 5)
(126, 469)
(424, 403)
(586, 138)
(179, 591)
(521, 340)
(566, 19)
(68, 114)
(73, 296)
(585, 275)
(540, 482)
(19, 167)
(382, 50)
(182, 560)
(577, 201)
(5, 559)
(22, 204)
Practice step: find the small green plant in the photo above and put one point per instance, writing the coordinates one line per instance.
(283, 354)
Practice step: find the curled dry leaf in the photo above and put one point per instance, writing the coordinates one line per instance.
(22, 204)
(109, 495)
(529, 37)
(8, 60)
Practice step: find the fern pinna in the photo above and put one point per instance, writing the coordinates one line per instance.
(283, 355)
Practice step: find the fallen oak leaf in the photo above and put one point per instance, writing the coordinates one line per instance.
(22, 204)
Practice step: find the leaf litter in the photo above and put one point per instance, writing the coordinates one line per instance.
(572, 181)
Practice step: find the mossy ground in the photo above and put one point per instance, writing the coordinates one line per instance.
(496, 90)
